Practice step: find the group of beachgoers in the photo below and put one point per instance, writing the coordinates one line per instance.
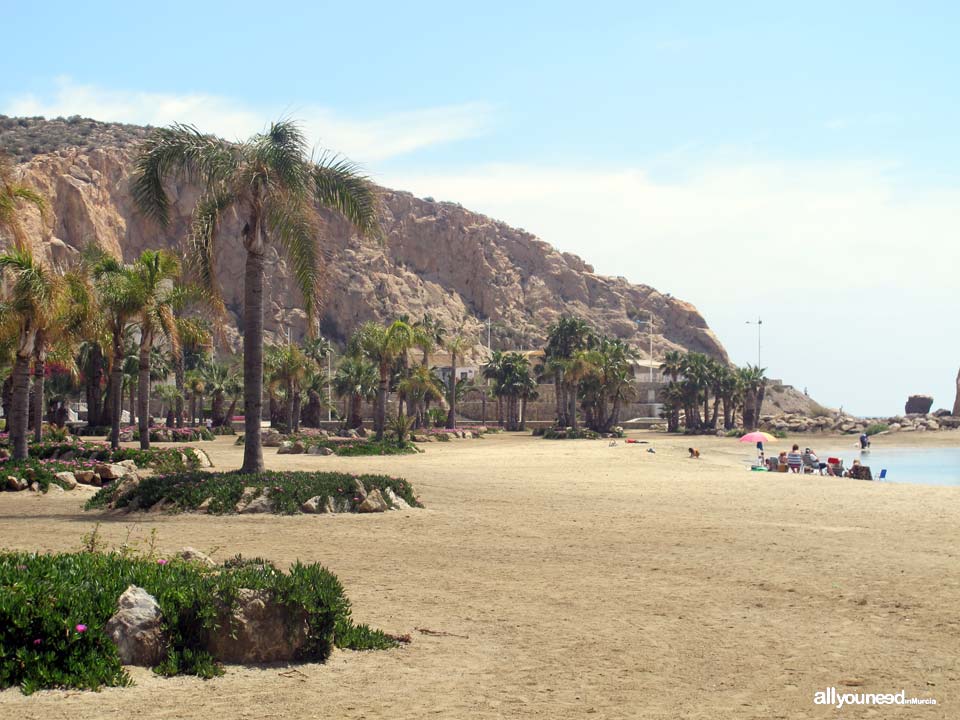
(807, 462)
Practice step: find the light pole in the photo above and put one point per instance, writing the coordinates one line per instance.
(759, 324)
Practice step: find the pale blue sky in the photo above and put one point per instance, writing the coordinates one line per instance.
(684, 145)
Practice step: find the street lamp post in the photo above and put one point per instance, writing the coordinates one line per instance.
(759, 324)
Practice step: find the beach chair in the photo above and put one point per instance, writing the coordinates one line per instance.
(882, 475)
(836, 464)
(861, 472)
(810, 467)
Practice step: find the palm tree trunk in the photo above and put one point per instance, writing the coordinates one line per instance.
(288, 406)
(452, 413)
(193, 409)
(39, 368)
(19, 407)
(94, 379)
(561, 399)
(572, 407)
(178, 378)
(380, 417)
(523, 413)
(295, 412)
(143, 390)
(253, 358)
(116, 398)
(133, 402)
(216, 409)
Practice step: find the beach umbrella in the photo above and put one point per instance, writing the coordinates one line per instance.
(757, 436)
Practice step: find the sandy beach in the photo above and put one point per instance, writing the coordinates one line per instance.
(570, 578)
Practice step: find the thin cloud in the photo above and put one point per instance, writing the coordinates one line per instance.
(363, 139)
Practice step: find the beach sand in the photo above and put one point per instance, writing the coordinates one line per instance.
(576, 579)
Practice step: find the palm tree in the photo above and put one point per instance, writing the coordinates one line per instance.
(382, 346)
(195, 385)
(26, 312)
(564, 338)
(13, 196)
(287, 368)
(754, 382)
(275, 187)
(152, 275)
(456, 346)
(217, 381)
(419, 387)
(428, 334)
(119, 300)
(356, 379)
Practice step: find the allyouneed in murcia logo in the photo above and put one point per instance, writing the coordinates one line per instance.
(830, 696)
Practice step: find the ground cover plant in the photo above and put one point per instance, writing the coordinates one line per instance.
(53, 609)
(48, 458)
(189, 490)
(160, 433)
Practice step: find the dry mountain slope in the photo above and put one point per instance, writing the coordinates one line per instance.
(460, 266)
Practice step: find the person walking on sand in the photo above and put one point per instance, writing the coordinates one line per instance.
(795, 459)
(864, 441)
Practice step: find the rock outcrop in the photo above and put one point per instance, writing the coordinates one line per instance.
(956, 402)
(918, 405)
(439, 258)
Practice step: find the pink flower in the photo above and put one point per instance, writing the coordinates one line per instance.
(37, 641)
(81, 628)
(161, 561)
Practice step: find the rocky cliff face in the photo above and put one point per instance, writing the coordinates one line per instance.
(459, 266)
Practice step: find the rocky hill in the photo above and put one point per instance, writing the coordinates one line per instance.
(439, 258)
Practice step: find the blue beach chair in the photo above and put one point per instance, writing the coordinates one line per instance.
(882, 475)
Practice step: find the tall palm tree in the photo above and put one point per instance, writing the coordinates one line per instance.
(27, 311)
(119, 300)
(13, 196)
(456, 346)
(152, 275)
(382, 346)
(275, 186)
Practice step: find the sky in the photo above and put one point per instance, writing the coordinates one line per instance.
(796, 164)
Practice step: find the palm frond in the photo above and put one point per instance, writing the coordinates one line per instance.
(178, 152)
(340, 186)
(202, 238)
(294, 226)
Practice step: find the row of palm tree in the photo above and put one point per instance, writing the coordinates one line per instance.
(700, 385)
(513, 384)
(270, 180)
(590, 371)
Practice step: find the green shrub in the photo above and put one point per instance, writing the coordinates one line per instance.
(53, 609)
(102, 452)
(288, 490)
(223, 430)
(779, 434)
(735, 432)
(876, 428)
(570, 434)
(43, 472)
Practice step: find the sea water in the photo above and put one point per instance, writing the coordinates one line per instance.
(922, 466)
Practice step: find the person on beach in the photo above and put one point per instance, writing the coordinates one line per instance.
(811, 460)
(795, 459)
(864, 441)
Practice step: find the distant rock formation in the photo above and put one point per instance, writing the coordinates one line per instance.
(956, 402)
(918, 405)
(461, 267)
